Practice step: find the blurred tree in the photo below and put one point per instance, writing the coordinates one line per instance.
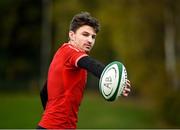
(170, 34)
(170, 106)
(45, 49)
(20, 24)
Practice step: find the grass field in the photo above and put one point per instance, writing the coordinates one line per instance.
(24, 111)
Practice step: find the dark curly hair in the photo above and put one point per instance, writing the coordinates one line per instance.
(84, 18)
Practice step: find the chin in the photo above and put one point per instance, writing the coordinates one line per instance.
(87, 51)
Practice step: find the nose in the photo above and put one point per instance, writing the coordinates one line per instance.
(90, 39)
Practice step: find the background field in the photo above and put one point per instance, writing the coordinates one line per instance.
(24, 111)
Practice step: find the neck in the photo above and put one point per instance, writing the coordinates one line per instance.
(76, 46)
(72, 43)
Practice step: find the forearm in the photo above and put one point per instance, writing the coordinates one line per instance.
(92, 65)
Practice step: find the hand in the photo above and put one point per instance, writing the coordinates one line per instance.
(127, 89)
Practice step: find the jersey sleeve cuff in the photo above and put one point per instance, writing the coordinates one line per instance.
(79, 59)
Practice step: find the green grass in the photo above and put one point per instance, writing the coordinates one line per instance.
(19, 111)
(95, 112)
(24, 111)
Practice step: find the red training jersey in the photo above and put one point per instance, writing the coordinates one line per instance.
(66, 83)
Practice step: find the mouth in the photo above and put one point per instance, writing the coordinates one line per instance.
(88, 46)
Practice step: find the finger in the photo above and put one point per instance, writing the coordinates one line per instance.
(127, 89)
(125, 94)
(128, 83)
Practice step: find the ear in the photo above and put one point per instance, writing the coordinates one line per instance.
(71, 35)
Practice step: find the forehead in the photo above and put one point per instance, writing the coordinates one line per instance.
(86, 28)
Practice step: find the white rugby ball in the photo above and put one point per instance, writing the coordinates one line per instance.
(113, 80)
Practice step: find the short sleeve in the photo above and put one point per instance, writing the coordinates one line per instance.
(75, 56)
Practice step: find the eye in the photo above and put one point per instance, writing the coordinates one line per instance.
(93, 36)
(85, 34)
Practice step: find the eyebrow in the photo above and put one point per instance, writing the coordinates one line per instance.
(94, 34)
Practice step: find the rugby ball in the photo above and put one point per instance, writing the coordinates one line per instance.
(113, 80)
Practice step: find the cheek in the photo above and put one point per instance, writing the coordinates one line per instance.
(93, 42)
(79, 38)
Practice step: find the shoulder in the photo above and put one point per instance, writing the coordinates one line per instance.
(70, 53)
(70, 47)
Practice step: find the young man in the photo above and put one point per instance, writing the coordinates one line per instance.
(63, 91)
